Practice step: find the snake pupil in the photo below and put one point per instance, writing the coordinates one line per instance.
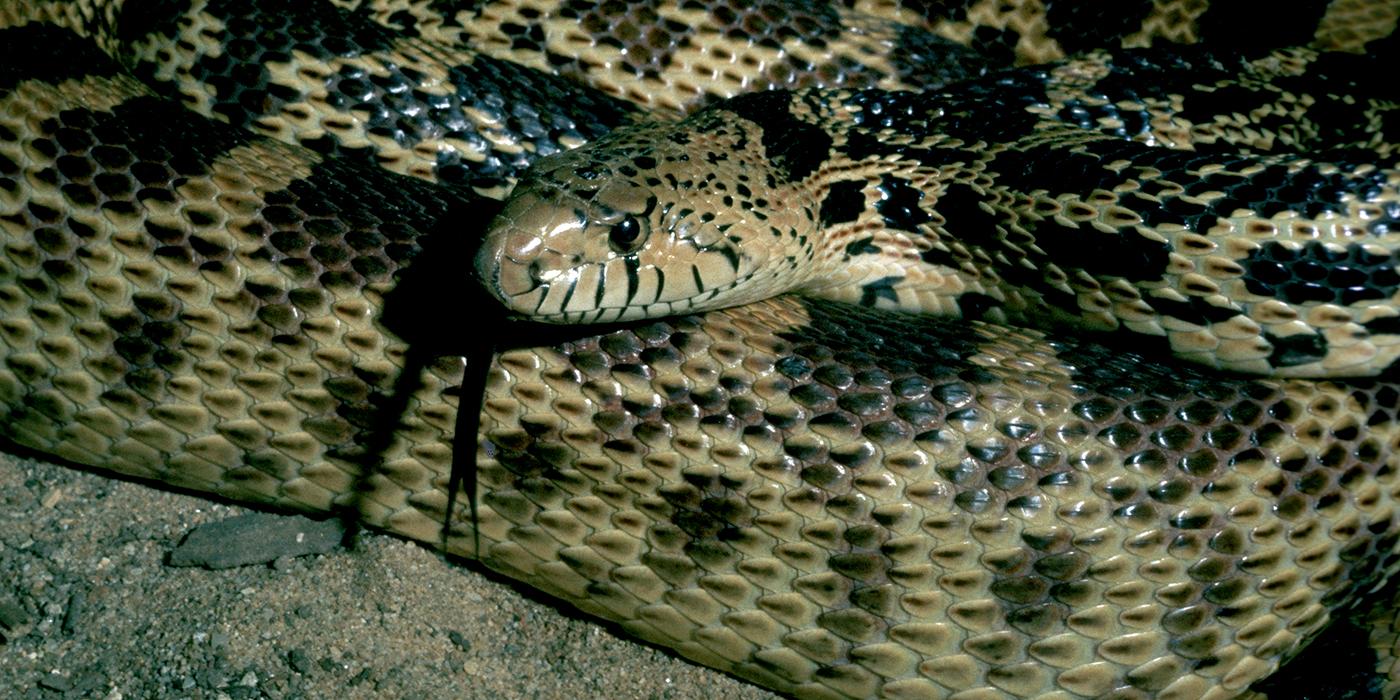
(625, 234)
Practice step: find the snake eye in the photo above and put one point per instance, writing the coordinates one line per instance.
(625, 235)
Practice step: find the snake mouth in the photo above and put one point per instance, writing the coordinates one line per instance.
(549, 264)
(487, 266)
(589, 294)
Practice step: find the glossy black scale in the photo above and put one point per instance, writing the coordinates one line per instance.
(1321, 273)
(530, 106)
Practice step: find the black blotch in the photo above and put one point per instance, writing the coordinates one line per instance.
(142, 19)
(1193, 310)
(973, 306)
(899, 204)
(795, 147)
(49, 54)
(999, 45)
(155, 131)
(1080, 26)
(862, 246)
(1339, 664)
(843, 202)
(531, 107)
(1321, 273)
(862, 144)
(926, 60)
(1221, 24)
(965, 218)
(1385, 325)
(1297, 349)
(883, 288)
(1136, 75)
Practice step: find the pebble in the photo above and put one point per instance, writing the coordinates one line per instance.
(14, 622)
(257, 538)
(299, 661)
(73, 613)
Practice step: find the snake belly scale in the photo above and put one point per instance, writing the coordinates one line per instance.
(830, 503)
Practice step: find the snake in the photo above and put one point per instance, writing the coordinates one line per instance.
(1102, 193)
(228, 289)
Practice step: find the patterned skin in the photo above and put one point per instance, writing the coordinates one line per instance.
(1221, 203)
(829, 502)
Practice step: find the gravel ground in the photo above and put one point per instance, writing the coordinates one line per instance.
(82, 555)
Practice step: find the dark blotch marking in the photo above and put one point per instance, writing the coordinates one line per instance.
(862, 246)
(1385, 325)
(1296, 349)
(159, 133)
(1321, 273)
(929, 61)
(1221, 23)
(999, 45)
(142, 19)
(48, 53)
(899, 204)
(1340, 663)
(1080, 26)
(531, 107)
(843, 202)
(973, 306)
(883, 288)
(1194, 310)
(966, 220)
(795, 147)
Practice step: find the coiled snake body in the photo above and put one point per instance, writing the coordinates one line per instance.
(830, 503)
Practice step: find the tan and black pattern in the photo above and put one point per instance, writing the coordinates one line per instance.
(1036, 31)
(1243, 208)
(831, 502)
(671, 57)
(339, 84)
(991, 513)
(192, 304)
(378, 82)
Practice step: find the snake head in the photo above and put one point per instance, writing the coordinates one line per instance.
(649, 221)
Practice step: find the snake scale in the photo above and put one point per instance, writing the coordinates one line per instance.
(828, 502)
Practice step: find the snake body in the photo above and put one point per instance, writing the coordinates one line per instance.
(1243, 208)
(829, 502)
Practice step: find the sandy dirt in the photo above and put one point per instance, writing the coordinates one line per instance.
(83, 556)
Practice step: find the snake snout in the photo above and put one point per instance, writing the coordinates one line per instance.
(531, 242)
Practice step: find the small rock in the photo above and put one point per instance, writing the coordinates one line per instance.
(299, 661)
(459, 641)
(73, 614)
(360, 677)
(55, 682)
(86, 683)
(258, 538)
(51, 498)
(14, 622)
